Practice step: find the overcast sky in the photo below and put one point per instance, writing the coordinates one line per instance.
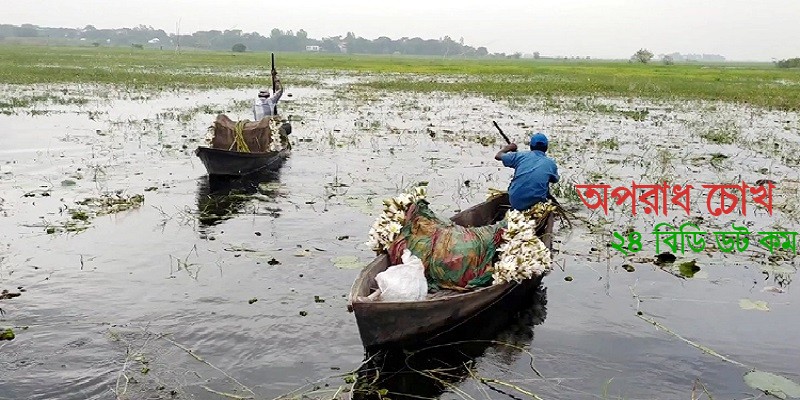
(736, 29)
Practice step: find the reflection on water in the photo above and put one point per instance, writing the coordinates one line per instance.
(429, 370)
(220, 198)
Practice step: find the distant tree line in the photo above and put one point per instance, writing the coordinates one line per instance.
(644, 56)
(238, 40)
(789, 63)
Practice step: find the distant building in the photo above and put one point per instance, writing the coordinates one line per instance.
(312, 48)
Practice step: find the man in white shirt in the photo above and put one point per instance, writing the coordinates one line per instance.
(264, 105)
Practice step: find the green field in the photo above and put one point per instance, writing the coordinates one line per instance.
(755, 84)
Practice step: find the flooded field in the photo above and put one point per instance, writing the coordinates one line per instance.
(127, 274)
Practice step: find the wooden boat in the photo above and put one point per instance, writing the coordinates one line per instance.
(221, 158)
(429, 369)
(233, 163)
(382, 323)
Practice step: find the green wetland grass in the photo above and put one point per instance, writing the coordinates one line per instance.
(761, 85)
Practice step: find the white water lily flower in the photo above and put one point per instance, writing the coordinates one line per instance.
(394, 227)
(404, 199)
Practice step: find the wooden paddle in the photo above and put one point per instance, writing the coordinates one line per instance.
(501, 132)
(274, 72)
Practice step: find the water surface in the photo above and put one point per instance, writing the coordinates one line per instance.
(114, 310)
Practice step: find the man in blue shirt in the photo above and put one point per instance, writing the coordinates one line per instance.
(533, 173)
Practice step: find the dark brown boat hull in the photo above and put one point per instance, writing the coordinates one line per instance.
(220, 162)
(382, 323)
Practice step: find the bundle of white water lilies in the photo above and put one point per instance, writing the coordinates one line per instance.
(275, 143)
(389, 223)
(522, 254)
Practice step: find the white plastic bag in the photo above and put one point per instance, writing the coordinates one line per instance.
(403, 282)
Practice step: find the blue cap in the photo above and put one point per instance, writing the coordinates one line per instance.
(538, 138)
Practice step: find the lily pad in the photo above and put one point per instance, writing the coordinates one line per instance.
(688, 268)
(7, 334)
(628, 267)
(347, 262)
(665, 258)
(747, 304)
(772, 384)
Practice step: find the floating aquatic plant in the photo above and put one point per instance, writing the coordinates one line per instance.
(93, 207)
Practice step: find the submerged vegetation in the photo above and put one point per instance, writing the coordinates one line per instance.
(756, 84)
(93, 207)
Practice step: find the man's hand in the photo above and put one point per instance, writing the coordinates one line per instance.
(506, 149)
(509, 147)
